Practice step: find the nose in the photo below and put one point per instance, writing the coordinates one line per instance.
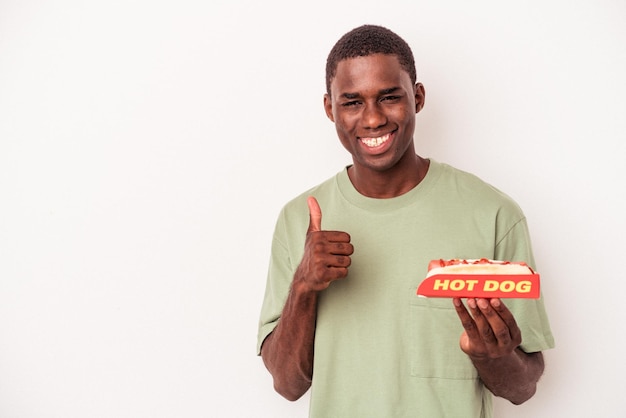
(373, 117)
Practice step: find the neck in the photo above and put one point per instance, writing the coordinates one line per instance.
(394, 182)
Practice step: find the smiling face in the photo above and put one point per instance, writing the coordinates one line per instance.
(373, 103)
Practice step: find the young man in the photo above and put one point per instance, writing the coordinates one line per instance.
(341, 314)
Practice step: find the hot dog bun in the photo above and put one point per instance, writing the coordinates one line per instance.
(478, 266)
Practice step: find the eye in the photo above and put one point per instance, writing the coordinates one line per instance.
(390, 99)
(351, 103)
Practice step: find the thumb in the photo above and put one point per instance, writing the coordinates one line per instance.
(315, 215)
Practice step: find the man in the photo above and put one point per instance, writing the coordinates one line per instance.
(341, 315)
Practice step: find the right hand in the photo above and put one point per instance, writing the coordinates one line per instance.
(326, 253)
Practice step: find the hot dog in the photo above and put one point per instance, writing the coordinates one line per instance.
(480, 278)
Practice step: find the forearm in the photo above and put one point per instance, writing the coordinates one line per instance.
(513, 377)
(288, 351)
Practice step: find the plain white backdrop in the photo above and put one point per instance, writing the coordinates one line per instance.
(146, 148)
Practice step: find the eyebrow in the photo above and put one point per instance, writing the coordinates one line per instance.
(380, 92)
(389, 90)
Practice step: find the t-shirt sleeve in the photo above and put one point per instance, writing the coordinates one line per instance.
(530, 314)
(279, 277)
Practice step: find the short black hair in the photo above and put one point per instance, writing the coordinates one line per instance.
(367, 40)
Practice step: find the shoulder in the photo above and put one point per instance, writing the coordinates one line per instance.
(462, 178)
(460, 184)
(296, 209)
(321, 191)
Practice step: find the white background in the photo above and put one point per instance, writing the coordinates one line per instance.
(146, 148)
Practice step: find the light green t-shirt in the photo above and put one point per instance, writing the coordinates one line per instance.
(380, 350)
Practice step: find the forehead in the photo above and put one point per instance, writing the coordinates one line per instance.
(372, 72)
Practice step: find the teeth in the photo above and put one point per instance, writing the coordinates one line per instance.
(374, 142)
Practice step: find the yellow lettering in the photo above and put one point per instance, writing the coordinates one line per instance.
(490, 286)
(523, 286)
(471, 284)
(507, 286)
(457, 284)
(441, 284)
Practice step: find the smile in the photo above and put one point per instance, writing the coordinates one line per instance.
(375, 142)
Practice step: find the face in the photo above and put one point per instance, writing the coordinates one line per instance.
(373, 105)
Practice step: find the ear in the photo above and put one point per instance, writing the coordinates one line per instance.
(420, 97)
(328, 107)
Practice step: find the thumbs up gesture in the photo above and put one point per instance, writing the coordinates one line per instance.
(326, 253)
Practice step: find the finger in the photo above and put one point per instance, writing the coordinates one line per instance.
(341, 246)
(483, 317)
(494, 328)
(332, 256)
(336, 273)
(315, 215)
(508, 318)
(466, 319)
(339, 261)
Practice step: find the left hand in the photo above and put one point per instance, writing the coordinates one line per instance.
(491, 331)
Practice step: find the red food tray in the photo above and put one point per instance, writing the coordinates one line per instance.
(480, 286)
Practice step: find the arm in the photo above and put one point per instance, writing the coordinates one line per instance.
(491, 339)
(288, 351)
